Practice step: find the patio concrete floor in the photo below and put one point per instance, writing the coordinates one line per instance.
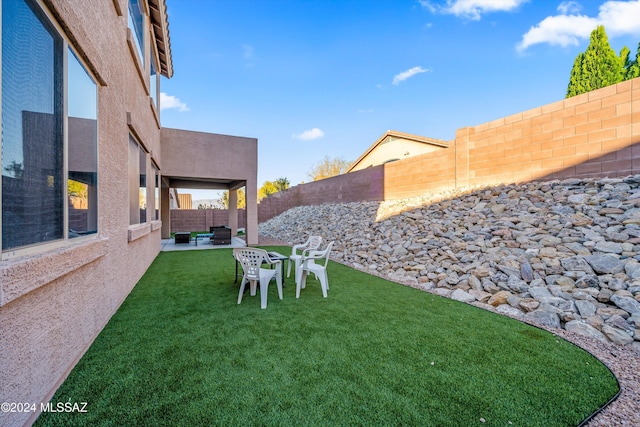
(170, 245)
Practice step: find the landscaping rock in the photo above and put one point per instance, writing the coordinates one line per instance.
(627, 304)
(581, 328)
(460, 295)
(586, 309)
(499, 298)
(605, 264)
(543, 317)
(508, 310)
(563, 254)
(616, 335)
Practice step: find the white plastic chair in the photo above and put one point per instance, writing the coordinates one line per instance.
(251, 260)
(312, 243)
(313, 263)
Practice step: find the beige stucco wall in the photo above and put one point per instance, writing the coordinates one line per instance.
(55, 299)
(222, 159)
(393, 148)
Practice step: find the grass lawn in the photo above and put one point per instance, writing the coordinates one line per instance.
(180, 351)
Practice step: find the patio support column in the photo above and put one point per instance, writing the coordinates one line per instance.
(165, 212)
(233, 212)
(251, 196)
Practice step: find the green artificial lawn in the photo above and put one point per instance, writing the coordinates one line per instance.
(180, 351)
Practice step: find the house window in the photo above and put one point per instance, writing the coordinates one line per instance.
(142, 191)
(153, 78)
(137, 182)
(82, 182)
(35, 180)
(136, 24)
(156, 192)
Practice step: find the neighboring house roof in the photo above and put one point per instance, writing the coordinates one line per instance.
(185, 201)
(390, 134)
(160, 24)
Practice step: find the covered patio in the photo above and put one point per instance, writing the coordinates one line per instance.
(210, 161)
(170, 245)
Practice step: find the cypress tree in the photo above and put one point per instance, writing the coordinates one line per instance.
(633, 69)
(576, 81)
(598, 66)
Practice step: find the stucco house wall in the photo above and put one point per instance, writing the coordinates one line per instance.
(55, 297)
(54, 300)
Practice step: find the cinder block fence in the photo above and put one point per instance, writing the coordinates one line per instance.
(595, 134)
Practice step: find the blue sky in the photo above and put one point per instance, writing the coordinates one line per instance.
(316, 78)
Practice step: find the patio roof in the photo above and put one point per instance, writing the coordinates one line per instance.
(192, 159)
(204, 183)
(211, 161)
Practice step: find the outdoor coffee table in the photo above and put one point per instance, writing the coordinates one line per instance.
(202, 236)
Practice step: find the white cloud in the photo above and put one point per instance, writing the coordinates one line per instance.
(249, 55)
(169, 101)
(406, 74)
(621, 17)
(473, 9)
(561, 30)
(569, 7)
(309, 135)
(427, 5)
(248, 51)
(570, 27)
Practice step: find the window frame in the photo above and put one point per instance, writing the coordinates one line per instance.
(134, 175)
(143, 189)
(67, 46)
(154, 89)
(155, 201)
(71, 51)
(137, 35)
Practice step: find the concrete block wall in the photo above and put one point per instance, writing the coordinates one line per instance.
(363, 185)
(202, 219)
(595, 134)
(409, 177)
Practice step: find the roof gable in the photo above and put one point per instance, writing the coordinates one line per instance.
(390, 136)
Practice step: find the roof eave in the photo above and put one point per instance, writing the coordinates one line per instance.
(160, 26)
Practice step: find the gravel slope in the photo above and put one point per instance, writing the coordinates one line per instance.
(595, 216)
